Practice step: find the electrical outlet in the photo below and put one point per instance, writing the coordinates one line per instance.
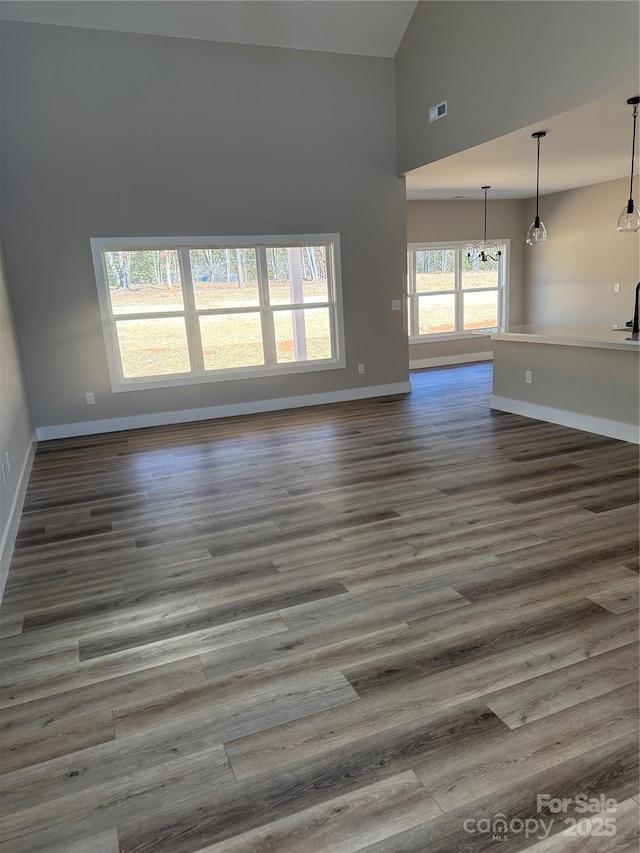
(616, 287)
(528, 377)
(90, 397)
(396, 305)
(7, 460)
(361, 369)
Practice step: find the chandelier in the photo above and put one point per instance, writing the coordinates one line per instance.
(484, 251)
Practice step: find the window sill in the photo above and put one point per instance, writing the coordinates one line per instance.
(449, 336)
(150, 383)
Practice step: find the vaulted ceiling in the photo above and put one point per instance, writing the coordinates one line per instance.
(584, 146)
(366, 28)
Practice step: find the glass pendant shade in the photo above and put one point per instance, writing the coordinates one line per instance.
(537, 233)
(629, 219)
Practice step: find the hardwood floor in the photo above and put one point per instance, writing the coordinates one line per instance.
(362, 627)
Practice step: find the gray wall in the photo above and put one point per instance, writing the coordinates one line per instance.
(112, 134)
(16, 430)
(431, 221)
(506, 65)
(601, 383)
(570, 278)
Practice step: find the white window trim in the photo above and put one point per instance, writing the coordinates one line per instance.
(459, 334)
(119, 383)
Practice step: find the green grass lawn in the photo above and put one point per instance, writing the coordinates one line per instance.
(159, 346)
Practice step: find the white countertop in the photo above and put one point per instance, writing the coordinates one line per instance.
(603, 337)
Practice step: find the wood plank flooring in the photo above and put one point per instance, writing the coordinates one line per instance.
(361, 627)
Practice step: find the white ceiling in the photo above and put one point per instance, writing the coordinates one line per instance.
(587, 145)
(365, 27)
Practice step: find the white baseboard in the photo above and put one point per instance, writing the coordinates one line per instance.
(215, 412)
(11, 529)
(463, 358)
(574, 420)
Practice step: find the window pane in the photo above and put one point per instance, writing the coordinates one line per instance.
(481, 310)
(143, 282)
(477, 273)
(153, 347)
(231, 340)
(297, 274)
(224, 278)
(436, 314)
(435, 269)
(302, 335)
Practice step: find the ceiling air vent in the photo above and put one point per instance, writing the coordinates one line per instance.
(437, 112)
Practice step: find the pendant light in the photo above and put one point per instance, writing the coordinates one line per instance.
(537, 233)
(629, 219)
(485, 251)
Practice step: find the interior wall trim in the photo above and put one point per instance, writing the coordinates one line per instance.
(574, 420)
(8, 540)
(440, 361)
(45, 433)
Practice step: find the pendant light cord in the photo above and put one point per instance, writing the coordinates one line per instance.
(485, 218)
(538, 183)
(633, 148)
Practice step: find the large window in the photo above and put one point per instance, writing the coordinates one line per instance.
(453, 295)
(177, 311)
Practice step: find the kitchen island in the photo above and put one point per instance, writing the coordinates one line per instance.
(585, 377)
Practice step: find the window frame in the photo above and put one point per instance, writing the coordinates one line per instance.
(198, 374)
(457, 291)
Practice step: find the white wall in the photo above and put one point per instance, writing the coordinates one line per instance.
(570, 278)
(506, 65)
(16, 430)
(113, 134)
(431, 221)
